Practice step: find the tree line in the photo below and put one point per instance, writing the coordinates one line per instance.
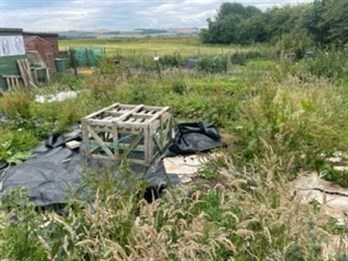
(323, 22)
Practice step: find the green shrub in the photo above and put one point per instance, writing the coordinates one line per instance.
(212, 64)
(331, 64)
(171, 60)
(139, 94)
(106, 67)
(256, 54)
(295, 43)
(15, 146)
(241, 57)
(292, 120)
(70, 81)
(16, 104)
(238, 58)
(179, 87)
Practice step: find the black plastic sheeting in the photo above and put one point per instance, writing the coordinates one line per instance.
(194, 137)
(56, 172)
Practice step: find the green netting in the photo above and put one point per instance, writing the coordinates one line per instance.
(87, 56)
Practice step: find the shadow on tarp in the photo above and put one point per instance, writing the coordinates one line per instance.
(56, 172)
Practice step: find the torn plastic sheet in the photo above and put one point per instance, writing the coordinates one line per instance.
(56, 172)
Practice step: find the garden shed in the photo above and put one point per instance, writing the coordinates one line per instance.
(11, 49)
(43, 47)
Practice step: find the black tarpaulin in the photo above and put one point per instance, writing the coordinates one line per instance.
(194, 137)
(55, 173)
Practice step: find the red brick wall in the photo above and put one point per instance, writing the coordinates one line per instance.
(54, 42)
(45, 49)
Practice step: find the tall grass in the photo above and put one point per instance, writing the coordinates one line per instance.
(235, 220)
(299, 121)
(281, 125)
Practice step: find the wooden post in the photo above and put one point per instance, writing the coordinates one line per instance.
(73, 61)
(158, 70)
(86, 55)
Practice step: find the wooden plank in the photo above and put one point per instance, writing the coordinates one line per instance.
(131, 125)
(134, 144)
(99, 140)
(35, 76)
(100, 123)
(158, 114)
(8, 83)
(113, 113)
(48, 77)
(142, 115)
(119, 145)
(115, 140)
(154, 108)
(22, 71)
(101, 111)
(28, 70)
(85, 135)
(11, 80)
(128, 113)
(136, 161)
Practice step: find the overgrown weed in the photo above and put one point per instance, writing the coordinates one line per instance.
(233, 220)
(297, 121)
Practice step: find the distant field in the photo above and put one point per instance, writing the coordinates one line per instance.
(188, 46)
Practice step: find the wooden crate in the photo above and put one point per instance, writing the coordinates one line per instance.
(133, 132)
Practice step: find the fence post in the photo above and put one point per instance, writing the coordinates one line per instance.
(73, 60)
(86, 54)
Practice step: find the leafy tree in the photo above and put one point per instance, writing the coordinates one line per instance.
(335, 20)
(312, 21)
(324, 21)
(295, 42)
(253, 29)
(231, 26)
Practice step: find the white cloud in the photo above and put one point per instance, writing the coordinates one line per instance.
(113, 14)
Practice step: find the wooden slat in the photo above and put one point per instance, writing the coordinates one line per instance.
(99, 140)
(158, 114)
(8, 82)
(115, 140)
(11, 80)
(148, 143)
(24, 68)
(133, 145)
(101, 111)
(128, 113)
(27, 68)
(23, 73)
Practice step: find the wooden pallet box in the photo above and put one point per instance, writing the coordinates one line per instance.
(127, 132)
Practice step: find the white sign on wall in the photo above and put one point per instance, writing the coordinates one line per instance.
(11, 45)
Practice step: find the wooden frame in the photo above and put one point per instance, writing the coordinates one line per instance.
(134, 132)
(12, 80)
(25, 70)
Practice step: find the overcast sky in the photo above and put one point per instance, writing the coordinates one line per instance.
(59, 15)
